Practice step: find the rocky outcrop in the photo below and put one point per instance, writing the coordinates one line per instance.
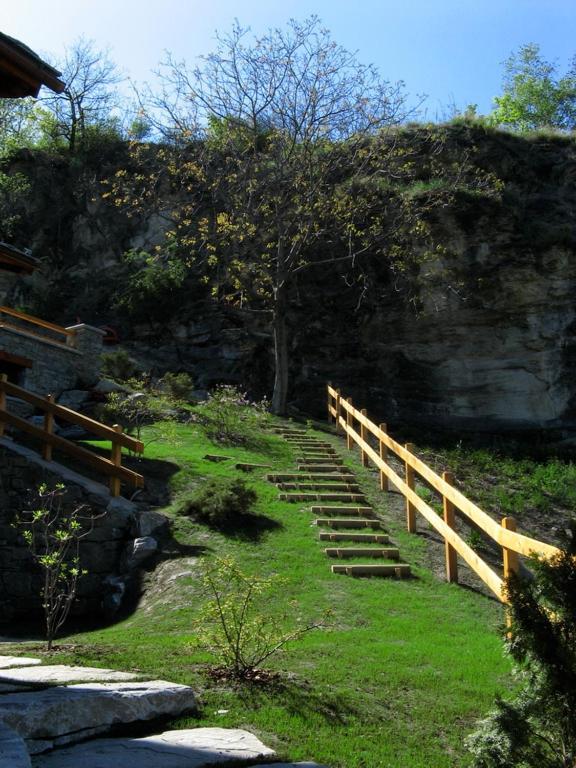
(483, 338)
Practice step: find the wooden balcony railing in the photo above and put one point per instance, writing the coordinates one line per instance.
(35, 326)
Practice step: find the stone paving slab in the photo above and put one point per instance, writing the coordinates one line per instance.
(61, 711)
(193, 748)
(8, 662)
(61, 673)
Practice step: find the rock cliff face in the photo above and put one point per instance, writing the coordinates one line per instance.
(489, 343)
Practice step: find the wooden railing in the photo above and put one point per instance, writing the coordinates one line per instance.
(357, 427)
(38, 326)
(111, 467)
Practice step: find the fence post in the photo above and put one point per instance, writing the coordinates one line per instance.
(117, 461)
(511, 561)
(384, 456)
(449, 519)
(329, 401)
(3, 380)
(48, 429)
(349, 423)
(364, 436)
(409, 476)
(338, 411)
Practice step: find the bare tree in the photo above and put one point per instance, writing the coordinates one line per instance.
(89, 98)
(278, 115)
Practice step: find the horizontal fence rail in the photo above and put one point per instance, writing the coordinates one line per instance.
(111, 467)
(357, 427)
(36, 326)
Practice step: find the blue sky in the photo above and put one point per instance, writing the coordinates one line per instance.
(451, 50)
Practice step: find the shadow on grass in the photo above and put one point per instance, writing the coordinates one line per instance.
(247, 527)
(299, 698)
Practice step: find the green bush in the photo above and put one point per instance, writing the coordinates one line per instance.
(219, 502)
(118, 365)
(177, 385)
(228, 417)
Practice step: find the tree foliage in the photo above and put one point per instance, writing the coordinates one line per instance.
(534, 94)
(537, 727)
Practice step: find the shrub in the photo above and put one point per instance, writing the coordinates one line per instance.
(537, 727)
(143, 406)
(236, 624)
(118, 365)
(219, 502)
(177, 385)
(229, 417)
(53, 534)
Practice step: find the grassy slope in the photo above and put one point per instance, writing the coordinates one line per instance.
(398, 679)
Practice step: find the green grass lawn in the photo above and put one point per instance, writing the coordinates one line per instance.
(399, 676)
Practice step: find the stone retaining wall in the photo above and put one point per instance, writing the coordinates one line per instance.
(103, 552)
(56, 367)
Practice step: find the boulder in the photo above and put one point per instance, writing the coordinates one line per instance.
(142, 549)
(13, 752)
(68, 711)
(74, 398)
(193, 748)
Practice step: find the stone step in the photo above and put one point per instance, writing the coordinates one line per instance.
(388, 553)
(314, 449)
(191, 748)
(363, 538)
(9, 662)
(396, 570)
(357, 498)
(342, 522)
(336, 487)
(64, 714)
(333, 477)
(63, 674)
(311, 465)
(350, 511)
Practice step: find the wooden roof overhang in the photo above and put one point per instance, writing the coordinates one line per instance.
(14, 260)
(22, 72)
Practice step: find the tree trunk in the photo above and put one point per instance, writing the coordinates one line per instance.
(281, 359)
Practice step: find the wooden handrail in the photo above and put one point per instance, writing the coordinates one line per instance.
(36, 321)
(111, 467)
(504, 535)
(73, 417)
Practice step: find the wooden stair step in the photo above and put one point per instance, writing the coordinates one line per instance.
(350, 511)
(333, 477)
(309, 443)
(388, 553)
(335, 487)
(364, 538)
(312, 465)
(323, 496)
(344, 522)
(319, 458)
(396, 570)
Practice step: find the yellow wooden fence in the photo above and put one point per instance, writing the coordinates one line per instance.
(358, 428)
(111, 467)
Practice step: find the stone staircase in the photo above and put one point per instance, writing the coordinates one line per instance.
(56, 716)
(322, 477)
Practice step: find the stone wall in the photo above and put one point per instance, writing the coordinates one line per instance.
(103, 551)
(56, 367)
